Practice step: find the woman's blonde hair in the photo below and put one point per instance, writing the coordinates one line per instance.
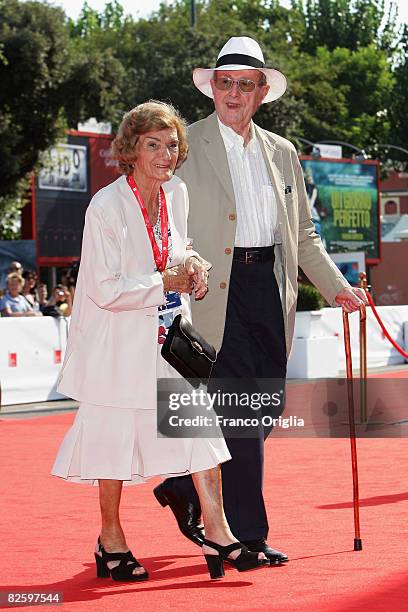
(15, 276)
(147, 117)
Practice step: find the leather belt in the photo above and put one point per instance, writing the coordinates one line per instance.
(254, 254)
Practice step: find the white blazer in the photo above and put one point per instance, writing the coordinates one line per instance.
(111, 353)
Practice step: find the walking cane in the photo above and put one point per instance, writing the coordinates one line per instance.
(358, 545)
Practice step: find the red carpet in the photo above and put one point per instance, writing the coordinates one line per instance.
(49, 529)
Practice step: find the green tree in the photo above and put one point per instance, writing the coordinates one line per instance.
(343, 95)
(350, 24)
(333, 91)
(10, 209)
(94, 84)
(91, 21)
(398, 106)
(50, 81)
(338, 56)
(98, 72)
(160, 53)
(34, 43)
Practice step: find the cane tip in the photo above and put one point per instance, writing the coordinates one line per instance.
(358, 545)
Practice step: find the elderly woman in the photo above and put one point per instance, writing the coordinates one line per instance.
(13, 304)
(135, 267)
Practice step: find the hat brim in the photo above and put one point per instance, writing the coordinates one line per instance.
(275, 79)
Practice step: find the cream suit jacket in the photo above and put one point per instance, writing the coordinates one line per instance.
(212, 225)
(111, 354)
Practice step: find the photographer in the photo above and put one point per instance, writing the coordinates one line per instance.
(62, 300)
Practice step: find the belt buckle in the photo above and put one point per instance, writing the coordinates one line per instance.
(250, 257)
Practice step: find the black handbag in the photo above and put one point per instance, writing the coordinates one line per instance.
(187, 351)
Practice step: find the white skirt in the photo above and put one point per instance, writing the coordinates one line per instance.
(121, 444)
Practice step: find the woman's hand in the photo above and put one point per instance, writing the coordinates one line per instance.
(198, 272)
(177, 279)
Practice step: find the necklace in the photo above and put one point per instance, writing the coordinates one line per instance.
(159, 258)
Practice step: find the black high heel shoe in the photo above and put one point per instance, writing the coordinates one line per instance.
(245, 561)
(123, 572)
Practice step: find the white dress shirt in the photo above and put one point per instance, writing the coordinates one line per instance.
(254, 193)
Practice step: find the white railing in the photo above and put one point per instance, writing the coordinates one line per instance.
(31, 353)
(32, 349)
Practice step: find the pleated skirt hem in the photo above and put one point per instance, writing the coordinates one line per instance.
(122, 444)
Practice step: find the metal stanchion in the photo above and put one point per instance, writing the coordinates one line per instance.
(363, 355)
(350, 393)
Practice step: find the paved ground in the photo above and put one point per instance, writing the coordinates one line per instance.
(36, 409)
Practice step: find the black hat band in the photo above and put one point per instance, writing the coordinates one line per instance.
(240, 59)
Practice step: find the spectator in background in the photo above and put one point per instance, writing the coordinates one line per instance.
(48, 307)
(61, 298)
(16, 266)
(69, 278)
(42, 295)
(29, 291)
(13, 304)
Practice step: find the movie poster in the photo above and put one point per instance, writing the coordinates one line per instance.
(343, 199)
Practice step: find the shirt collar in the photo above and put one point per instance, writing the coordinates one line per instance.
(233, 140)
(10, 297)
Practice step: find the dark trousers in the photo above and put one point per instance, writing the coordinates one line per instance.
(253, 347)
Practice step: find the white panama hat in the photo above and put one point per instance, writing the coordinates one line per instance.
(241, 53)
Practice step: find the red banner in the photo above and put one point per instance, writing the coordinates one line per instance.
(103, 169)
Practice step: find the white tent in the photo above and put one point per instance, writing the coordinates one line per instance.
(399, 231)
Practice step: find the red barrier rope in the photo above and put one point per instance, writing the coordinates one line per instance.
(381, 324)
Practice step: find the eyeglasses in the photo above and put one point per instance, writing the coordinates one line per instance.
(225, 83)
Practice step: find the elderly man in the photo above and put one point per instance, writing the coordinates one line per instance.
(249, 216)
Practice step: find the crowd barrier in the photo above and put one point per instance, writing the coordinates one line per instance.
(318, 348)
(32, 349)
(385, 331)
(31, 353)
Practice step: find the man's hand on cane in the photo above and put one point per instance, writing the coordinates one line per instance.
(351, 298)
